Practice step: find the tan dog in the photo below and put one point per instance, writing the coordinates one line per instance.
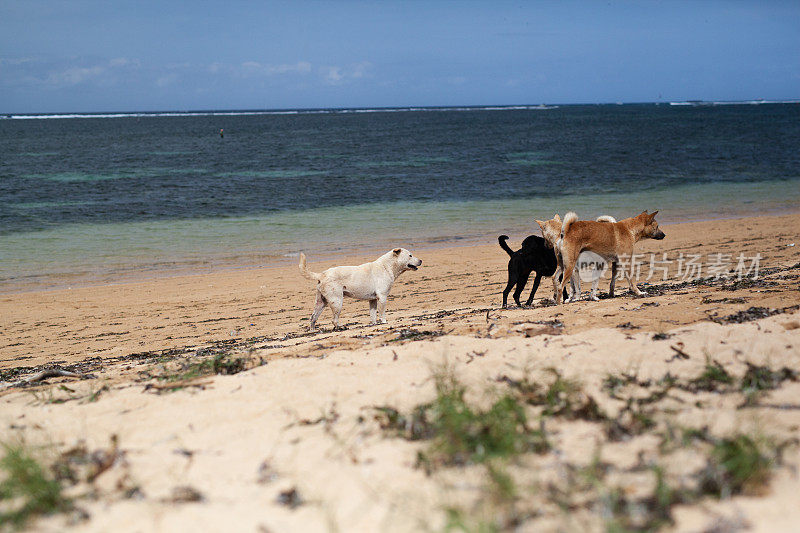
(610, 240)
(370, 281)
(551, 231)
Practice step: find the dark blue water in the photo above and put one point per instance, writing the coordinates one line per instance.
(110, 170)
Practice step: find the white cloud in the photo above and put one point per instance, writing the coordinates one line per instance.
(360, 70)
(164, 81)
(301, 67)
(336, 75)
(100, 71)
(332, 75)
(75, 75)
(256, 68)
(16, 61)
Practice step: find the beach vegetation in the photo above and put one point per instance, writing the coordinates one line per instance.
(461, 433)
(739, 464)
(180, 370)
(561, 397)
(27, 489)
(763, 378)
(495, 433)
(712, 378)
(758, 379)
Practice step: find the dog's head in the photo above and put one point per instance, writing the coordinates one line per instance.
(551, 230)
(650, 230)
(405, 260)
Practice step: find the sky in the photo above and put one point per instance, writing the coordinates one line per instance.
(145, 55)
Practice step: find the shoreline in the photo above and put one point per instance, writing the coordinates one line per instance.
(116, 277)
(112, 320)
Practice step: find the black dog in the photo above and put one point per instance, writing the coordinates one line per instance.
(534, 256)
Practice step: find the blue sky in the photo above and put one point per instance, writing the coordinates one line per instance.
(72, 56)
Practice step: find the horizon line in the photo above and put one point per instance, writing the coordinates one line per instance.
(377, 109)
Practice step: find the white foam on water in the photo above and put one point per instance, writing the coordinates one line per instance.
(43, 116)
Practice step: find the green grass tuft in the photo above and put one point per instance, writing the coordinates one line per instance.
(464, 434)
(712, 378)
(739, 464)
(26, 489)
(461, 433)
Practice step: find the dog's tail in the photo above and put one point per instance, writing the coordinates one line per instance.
(569, 218)
(605, 218)
(502, 240)
(304, 269)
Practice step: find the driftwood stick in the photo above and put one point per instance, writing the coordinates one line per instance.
(44, 374)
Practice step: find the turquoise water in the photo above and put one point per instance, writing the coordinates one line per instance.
(84, 253)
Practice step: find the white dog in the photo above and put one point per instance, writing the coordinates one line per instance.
(370, 281)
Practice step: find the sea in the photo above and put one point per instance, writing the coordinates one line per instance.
(98, 198)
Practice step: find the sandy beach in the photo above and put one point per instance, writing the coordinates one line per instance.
(204, 402)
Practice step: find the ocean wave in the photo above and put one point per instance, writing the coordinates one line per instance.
(703, 103)
(40, 116)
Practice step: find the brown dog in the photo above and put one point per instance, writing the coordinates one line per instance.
(610, 240)
(551, 231)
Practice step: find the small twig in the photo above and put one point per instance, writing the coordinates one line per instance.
(679, 354)
(104, 461)
(176, 385)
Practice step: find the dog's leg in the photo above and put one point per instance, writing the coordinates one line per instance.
(574, 287)
(373, 312)
(595, 282)
(569, 268)
(523, 279)
(382, 299)
(334, 296)
(536, 281)
(629, 276)
(319, 306)
(512, 280)
(336, 307)
(559, 273)
(613, 279)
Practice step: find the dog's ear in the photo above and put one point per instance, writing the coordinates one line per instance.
(653, 214)
(397, 251)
